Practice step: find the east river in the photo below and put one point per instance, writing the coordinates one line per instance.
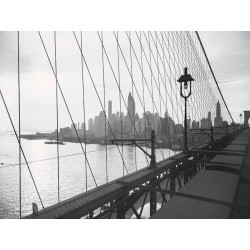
(42, 160)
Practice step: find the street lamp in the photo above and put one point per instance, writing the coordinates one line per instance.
(186, 83)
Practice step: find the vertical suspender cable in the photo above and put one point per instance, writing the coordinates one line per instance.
(67, 107)
(158, 78)
(164, 70)
(84, 120)
(120, 100)
(151, 75)
(127, 66)
(19, 127)
(131, 69)
(94, 85)
(57, 127)
(143, 90)
(104, 105)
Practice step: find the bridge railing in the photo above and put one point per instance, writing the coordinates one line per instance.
(130, 195)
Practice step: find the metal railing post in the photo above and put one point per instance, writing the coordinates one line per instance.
(153, 160)
(212, 133)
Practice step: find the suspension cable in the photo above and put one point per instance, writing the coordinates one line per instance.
(132, 87)
(158, 78)
(146, 80)
(66, 105)
(173, 109)
(196, 32)
(165, 85)
(120, 103)
(119, 87)
(57, 127)
(20, 146)
(151, 75)
(84, 120)
(98, 96)
(19, 127)
(132, 77)
(104, 104)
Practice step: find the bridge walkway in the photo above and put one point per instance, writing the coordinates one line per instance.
(226, 177)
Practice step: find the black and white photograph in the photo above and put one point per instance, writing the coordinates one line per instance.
(143, 122)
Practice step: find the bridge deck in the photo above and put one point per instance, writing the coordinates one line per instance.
(77, 206)
(225, 178)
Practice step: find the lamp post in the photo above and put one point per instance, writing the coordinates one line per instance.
(186, 84)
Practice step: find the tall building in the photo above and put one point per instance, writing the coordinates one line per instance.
(91, 125)
(130, 118)
(218, 110)
(109, 109)
(131, 106)
(99, 125)
(218, 118)
(83, 127)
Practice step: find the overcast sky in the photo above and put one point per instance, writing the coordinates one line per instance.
(228, 52)
(229, 55)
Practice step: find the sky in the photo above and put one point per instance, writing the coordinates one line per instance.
(229, 55)
(228, 52)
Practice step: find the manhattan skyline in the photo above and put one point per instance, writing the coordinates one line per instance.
(38, 83)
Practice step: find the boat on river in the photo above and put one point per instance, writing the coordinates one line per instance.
(54, 142)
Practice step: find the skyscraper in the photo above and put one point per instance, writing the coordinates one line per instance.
(130, 118)
(218, 118)
(91, 125)
(109, 109)
(218, 110)
(131, 106)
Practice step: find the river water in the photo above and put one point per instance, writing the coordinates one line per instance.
(43, 165)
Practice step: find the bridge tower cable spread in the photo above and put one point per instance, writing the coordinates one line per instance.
(143, 77)
(151, 76)
(182, 53)
(98, 96)
(143, 89)
(158, 79)
(155, 81)
(115, 78)
(132, 79)
(194, 69)
(165, 83)
(205, 99)
(18, 140)
(71, 118)
(173, 109)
